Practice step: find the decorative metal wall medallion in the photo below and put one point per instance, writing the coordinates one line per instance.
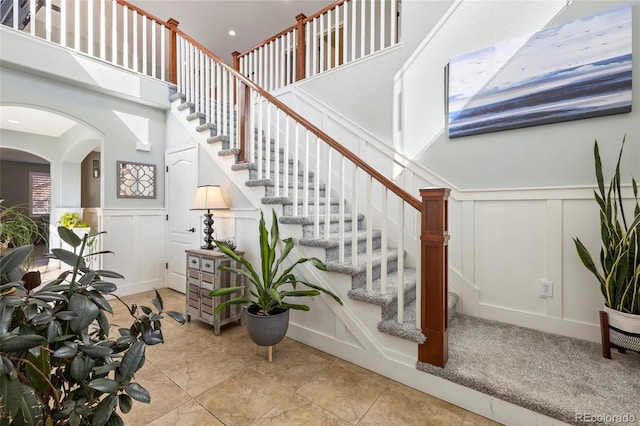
(136, 180)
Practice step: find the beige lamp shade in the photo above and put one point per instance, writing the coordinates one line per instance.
(209, 197)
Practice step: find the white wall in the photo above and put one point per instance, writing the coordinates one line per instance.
(518, 196)
(122, 113)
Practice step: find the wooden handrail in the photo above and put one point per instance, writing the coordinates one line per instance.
(385, 181)
(143, 12)
(293, 27)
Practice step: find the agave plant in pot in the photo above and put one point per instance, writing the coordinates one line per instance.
(272, 285)
(619, 272)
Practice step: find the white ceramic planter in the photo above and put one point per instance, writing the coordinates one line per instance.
(624, 329)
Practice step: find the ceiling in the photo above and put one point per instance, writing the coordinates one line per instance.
(208, 21)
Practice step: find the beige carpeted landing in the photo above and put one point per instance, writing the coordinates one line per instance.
(564, 378)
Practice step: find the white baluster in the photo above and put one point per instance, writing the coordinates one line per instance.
(345, 32)
(125, 37)
(383, 240)
(316, 180)
(337, 37)
(418, 248)
(180, 67)
(327, 194)
(260, 143)
(103, 32)
(154, 50)
(341, 197)
(207, 89)
(267, 149)
(285, 183)
(328, 41)
(276, 156)
(76, 23)
(305, 182)
(47, 24)
(322, 45)
(363, 27)
(218, 97)
(401, 264)
(369, 235)
(32, 22)
(144, 45)
(63, 20)
(296, 158)
(394, 20)
(372, 28)
(134, 31)
(90, 28)
(163, 49)
(114, 32)
(15, 14)
(354, 213)
(383, 26)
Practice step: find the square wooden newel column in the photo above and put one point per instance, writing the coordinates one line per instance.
(203, 276)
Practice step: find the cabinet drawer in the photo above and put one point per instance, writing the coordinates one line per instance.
(193, 262)
(207, 265)
(207, 282)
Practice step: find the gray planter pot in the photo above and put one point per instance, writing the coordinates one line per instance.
(266, 330)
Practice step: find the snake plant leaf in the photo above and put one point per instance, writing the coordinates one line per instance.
(297, 307)
(225, 291)
(237, 301)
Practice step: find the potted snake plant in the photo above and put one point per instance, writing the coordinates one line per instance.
(272, 285)
(619, 271)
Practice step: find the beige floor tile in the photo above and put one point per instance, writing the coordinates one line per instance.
(296, 410)
(472, 419)
(243, 398)
(293, 365)
(344, 391)
(196, 375)
(188, 414)
(402, 405)
(165, 396)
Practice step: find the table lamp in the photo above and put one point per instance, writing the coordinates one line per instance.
(208, 197)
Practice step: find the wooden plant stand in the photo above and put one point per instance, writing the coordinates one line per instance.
(269, 351)
(604, 333)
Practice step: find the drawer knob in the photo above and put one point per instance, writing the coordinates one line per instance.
(208, 265)
(193, 261)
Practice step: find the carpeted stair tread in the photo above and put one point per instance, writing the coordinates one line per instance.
(554, 375)
(375, 297)
(176, 96)
(407, 329)
(196, 116)
(327, 243)
(206, 127)
(309, 220)
(220, 138)
(361, 262)
(288, 201)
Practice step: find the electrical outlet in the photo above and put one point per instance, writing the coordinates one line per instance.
(545, 288)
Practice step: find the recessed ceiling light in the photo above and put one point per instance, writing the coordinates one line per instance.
(13, 121)
(232, 33)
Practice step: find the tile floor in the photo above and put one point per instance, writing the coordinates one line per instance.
(197, 378)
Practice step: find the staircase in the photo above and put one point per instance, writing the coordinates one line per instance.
(291, 214)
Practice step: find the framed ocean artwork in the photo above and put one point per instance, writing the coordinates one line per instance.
(580, 69)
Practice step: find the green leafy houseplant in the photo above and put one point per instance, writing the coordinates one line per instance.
(619, 276)
(273, 282)
(17, 228)
(72, 220)
(59, 361)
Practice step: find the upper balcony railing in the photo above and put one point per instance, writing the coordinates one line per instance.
(343, 32)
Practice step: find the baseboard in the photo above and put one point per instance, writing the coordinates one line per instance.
(466, 398)
(140, 287)
(563, 327)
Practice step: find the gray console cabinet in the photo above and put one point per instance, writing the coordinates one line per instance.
(202, 277)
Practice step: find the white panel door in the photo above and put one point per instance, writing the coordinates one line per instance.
(182, 224)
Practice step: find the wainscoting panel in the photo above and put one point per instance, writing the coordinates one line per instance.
(136, 237)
